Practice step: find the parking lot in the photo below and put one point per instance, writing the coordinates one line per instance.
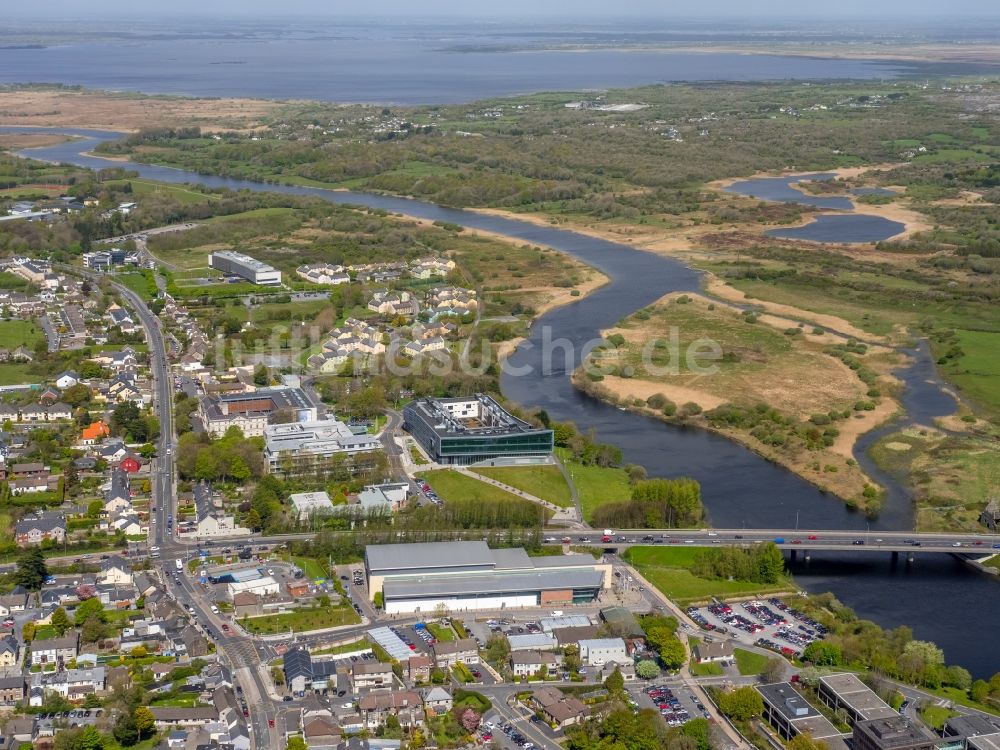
(676, 704)
(769, 623)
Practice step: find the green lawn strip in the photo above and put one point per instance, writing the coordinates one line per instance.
(15, 333)
(748, 662)
(596, 485)
(450, 485)
(545, 482)
(936, 716)
(361, 644)
(301, 620)
(706, 669)
(441, 632)
(977, 371)
(15, 373)
(310, 567)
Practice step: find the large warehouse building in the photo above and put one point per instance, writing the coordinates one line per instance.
(237, 264)
(471, 576)
(468, 430)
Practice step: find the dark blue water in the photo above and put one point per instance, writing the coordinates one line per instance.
(850, 228)
(739, 488)
(364, 65)
(783, 190)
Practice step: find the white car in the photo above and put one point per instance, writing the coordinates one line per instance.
(215, 610)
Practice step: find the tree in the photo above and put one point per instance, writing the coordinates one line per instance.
(571, 658)
(672, 653)
(771, 563)
(89, 608)
(93, 629)
(805, 741)
(60, 620)
(31, 570)
(94, 508)
(252, 520)
(700, 731)
(145, 722)
(89, 739)
(958, 677)
(125, 730)
(774, 670)
(822, 653)
(28, 634)
(615, 684)
(470, 720)
(741, 704)
(979, 691)
(647, 669)
(497, 650)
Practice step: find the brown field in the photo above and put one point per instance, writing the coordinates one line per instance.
(128, 112)
(15, 141)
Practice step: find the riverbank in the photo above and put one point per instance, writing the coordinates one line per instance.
(759, 390)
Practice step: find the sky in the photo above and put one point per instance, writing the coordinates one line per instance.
(524, 9)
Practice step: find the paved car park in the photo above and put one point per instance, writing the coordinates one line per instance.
(769, 623)
(676, 703)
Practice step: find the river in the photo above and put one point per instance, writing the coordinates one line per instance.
(739, 487)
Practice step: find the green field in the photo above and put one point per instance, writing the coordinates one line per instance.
(451, 485)
(666, 568)
(545, 482)
(977, 371)
(596, 485)
(14, 373)
(749, 662)
(301, 620)
(311, 567)
(442, 633)
(346, 648)
(708, 669)
(15, 333)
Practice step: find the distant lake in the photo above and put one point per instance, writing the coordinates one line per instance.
(783, 190)
(842, 228)
(385, 69)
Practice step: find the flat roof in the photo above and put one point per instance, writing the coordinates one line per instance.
(490, 418)
(246, 260)
(897, 731)
(985, 741)
(852, 691)
(530, 641)
(566, 621)
(787, 701)
(490, 583)
(428, 555)
(602, 643)
(391, 642)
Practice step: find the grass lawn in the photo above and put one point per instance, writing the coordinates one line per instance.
(301, 620)
(441, 632)
(667, 569)
(708, 669)
(43, 632)
(15, 333)
(596, 485)
(977, 372)
(749, 662)
(936, 716)
(962, 698)
(175, 702)
(180, 194)
(546, 482)
(311, 567)
(346, 648)
(137, 283)
(451, 485)
(15, 373)
(993, 562)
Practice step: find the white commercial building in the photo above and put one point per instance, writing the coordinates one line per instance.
(261, 587)
(313, 446)
(232, 263)
(308, 504)
(470, 576)
(599, 651)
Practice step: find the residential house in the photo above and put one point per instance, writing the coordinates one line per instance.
(73, 684)
(418, 668)
(115, 571)
(366, 675)
(11, 691)
(184, 717)
(94, 432)
(118, 496)
(55, 650)
(530, 663)
(35, 529)
(599, 651)
(247, 604)
(10, 651)
(67, 379)
(559, 709)
(449, 653)
(438, 700)
(405, 705)
(715, 651)
(392, 304)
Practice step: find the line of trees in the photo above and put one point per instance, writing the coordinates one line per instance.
(761, 563)
(655, 504)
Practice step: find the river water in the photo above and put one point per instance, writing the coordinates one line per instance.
(739, 488)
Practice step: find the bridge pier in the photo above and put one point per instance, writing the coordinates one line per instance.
(794, 556)
(910, 557)
(895, 557)
(806, 555)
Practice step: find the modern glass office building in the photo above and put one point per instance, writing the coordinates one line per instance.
(473, 429)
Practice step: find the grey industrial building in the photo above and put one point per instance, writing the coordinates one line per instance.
(472, 429)
(893, 733)
(232, 263)
(469, 576)
(790, 714)
(846, 691)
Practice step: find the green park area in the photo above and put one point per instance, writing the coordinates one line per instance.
(749, 662)
(670, 570)
(458, 489)
(301, 620)
(596, 485)
(15, 333)
(545, 482)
